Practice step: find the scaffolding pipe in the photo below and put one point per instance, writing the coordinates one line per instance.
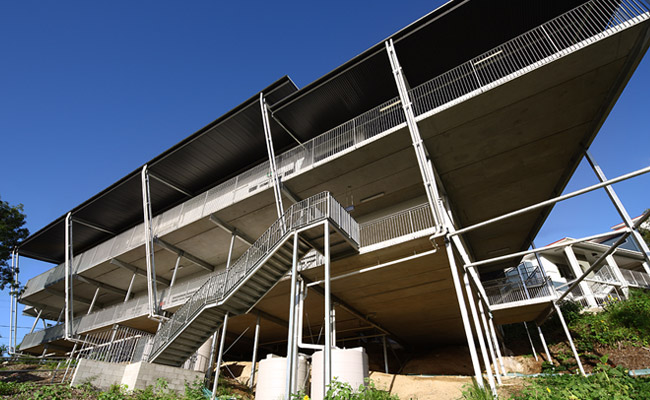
(38, 316)
(256, 340)
(638, 239)
(479, 334)
(530, 340)
(488, 337)
(554, 200)
(69, 312)
(222, 343)
(568, 335)
(327, 359)
(148, 244)
(292, 318)
(496, 344)
(543, 340)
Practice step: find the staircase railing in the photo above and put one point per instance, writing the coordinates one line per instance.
(219, 285)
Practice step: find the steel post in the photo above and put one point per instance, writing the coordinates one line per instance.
(128, 292)
(92, 302)
(479, 333)
(530, 340)
(38, 316)
(327, 353)
(11, 304)
(213, 349)
(496, 344)
(568, 336)
(176, 265)
(490, 342)
(148, 244)
(638, 239)
(543, 340)
(277, 190)
(291, 335)
(383, 339)
(222, 343)
(463, 313)
(69, 312)
(256, 340)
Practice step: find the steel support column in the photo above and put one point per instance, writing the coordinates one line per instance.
(479, 333)
(176, 265)
(38, 316)
(128, 291)
(213, 350)
(291, 335)
(277, 190)
(383, 340)
(490, 342)
(327, 353)
(568, 335)
(530, 340)
(11, 312)
(256, 340)
(69, 311)
(148, 244)
(496, 344)
(543, 340)
(222, 343)
(92, 302)
(424, 162)
(463, 313)
(638, 239)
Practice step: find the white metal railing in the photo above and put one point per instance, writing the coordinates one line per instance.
(412, 220)
(219, 285)
(636, 278)
(509, 290)
(115, 345)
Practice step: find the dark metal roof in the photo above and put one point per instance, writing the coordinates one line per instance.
(443, 39)
(223, 148)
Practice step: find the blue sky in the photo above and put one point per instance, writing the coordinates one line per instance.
(91, 90)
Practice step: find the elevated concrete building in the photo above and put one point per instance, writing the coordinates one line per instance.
(368, 184)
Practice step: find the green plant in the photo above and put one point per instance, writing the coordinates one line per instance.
(343, 391)
(194, 390)
(475, 392)
(115, 392)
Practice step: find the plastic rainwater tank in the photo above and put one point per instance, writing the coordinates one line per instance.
(272, 375)
(348, 365)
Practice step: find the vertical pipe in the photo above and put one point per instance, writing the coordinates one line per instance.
(496, 344)
(568, 335)
(271, 153)
(222, 343)
(543, 340)
(213, 350)
(479, 333)
(251, 383)
(385, 354)
(16, 298)
(530, 340)
(292, 318)
(148, 243)
(327, 353)
(68, 279)
(488, 338)
(11, 312)
(128, 291)
(478, 375)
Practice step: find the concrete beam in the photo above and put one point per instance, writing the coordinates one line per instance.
(231, 229)
(76, 298)
(137, 270)
(190, 257)
(99, 284)
(93, 225)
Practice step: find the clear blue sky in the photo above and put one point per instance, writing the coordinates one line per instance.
(91, 90)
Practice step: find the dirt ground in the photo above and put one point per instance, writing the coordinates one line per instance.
(27, 373)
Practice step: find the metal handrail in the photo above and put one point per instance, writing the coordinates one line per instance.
(412, 220)
(219, 286)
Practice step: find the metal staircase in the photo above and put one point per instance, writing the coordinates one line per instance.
(254, 274)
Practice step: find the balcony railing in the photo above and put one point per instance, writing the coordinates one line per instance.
(407, 222)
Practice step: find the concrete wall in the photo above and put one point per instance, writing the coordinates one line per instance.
(134, 376)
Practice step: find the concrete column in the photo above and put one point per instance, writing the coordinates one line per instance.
(618, 275)
(203, 356)
(577, 271)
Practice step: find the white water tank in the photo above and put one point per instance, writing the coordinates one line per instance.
(272, 377)
(348, 365)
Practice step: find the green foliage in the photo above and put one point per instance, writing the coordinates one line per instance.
(343, 391)
(475, 392)
(12, 233)
(605, 383)
(9, 388)
(626, 321)
(194, 390)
